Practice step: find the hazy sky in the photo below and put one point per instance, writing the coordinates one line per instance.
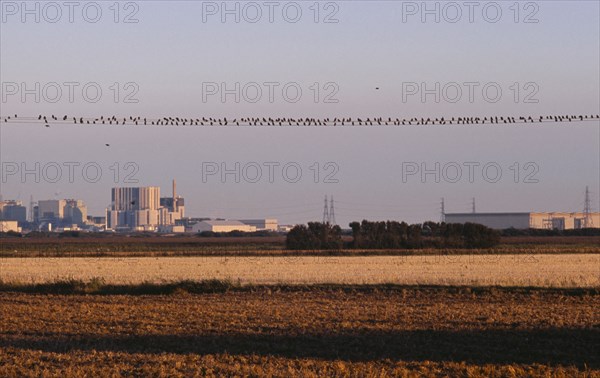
(176, 51)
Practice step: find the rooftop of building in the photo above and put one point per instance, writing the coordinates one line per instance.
(224, 223)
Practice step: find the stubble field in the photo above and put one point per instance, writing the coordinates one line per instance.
(304, 332)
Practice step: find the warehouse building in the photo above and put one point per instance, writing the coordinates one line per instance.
(262, 224)
(547, 221)
(221, 226)
(9, 226)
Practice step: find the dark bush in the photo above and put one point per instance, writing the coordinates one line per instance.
(69, 234)
(11, 234)
(314, 236)
(396, 235)
(479, 236)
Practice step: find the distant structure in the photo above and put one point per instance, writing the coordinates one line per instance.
(329, 212)
(143, 209)
(587, 210)
(443, 211)
(13, 211)
(548, 221)
(9, 226)
(49, 210)
(96, 223)
(75, 212)
(262, 224)
(172, 208)
(134, 209)
(31, 207)
(525, 220)
(285, 228)
(221, 226)
(61, 213)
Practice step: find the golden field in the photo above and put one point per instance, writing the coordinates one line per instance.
(539, 270)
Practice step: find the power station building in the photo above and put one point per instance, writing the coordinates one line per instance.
(548, 221)
(61, 212)
(75, 212)
(13, 211)
(142, 209)
(173, 208)
(52, 210)
(134, 208)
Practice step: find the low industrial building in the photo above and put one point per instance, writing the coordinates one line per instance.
(545, 221)
(285, 228)
(221, 226)
(9, 226)
(262, 224)
(171, 229)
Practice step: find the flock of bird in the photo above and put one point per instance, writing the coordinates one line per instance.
(264, 121)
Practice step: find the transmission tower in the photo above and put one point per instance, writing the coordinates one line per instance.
(331, 212)
(587, 210)
(326, 212)
(473, 205)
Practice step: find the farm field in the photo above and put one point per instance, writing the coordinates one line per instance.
(305, 332)
(139, 246)
(559, 270)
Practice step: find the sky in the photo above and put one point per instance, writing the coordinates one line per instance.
(315, 59)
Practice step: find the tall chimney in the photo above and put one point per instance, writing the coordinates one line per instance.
(174, 196)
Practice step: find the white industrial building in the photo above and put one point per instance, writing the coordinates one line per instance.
(8, 226)
(221, 226)
(285, 228)
(548, 221)
(262, 224)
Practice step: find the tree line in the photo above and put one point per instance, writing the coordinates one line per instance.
(392, 235)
